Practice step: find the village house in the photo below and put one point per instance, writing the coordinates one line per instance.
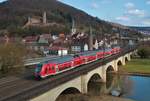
(38, 43)
(56, 50)
(60, 45)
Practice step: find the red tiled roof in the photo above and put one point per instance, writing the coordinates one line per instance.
(31, 38)
(57, 48)
(46, 36)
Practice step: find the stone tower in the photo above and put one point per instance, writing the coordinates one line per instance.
(44, 18)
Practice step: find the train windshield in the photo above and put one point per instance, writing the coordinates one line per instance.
(38, 67)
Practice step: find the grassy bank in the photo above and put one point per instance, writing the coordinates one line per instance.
(138, 66)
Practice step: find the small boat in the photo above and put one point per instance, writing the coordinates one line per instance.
(115, 93)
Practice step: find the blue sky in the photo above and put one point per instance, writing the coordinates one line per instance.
(126, 12)
(2, 0)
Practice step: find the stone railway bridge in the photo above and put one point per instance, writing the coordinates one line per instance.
(77, 79)
(80, 83)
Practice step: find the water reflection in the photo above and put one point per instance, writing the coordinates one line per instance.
(96, 88)
(121, 83)
(114, 82)
(133, 87)
(95, 85)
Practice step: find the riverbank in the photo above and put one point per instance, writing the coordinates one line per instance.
(80, 97)
(107, 98)
(137, 66)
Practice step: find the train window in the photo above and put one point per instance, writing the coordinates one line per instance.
(46, 70)
(53, 68)
(38, 67)
(75, 56)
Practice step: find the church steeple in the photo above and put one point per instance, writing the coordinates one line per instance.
(73, 30)
(44, 18)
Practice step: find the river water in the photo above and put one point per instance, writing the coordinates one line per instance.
(136, 88)
(140, 88)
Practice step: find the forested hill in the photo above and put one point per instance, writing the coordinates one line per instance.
(14, 15)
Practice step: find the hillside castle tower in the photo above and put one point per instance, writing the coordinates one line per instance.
(37, 21)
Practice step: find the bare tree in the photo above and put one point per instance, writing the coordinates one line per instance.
(11, 57)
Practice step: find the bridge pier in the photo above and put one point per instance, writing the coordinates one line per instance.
(129, 56)
(84, 84)
(103, 74)
(115, 66)
(123, 61)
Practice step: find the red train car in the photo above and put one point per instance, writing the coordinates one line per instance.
(53, 66)
(116, 50)
(68, 62)
(89, 56)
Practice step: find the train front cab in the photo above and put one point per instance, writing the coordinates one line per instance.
(44, 70)
(38, 69)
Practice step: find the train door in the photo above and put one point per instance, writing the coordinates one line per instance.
(46, 71)
(52, 69)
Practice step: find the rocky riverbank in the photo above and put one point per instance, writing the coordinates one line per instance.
(80, 97)
(108, 98)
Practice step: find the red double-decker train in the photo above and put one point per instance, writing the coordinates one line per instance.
(68, 62)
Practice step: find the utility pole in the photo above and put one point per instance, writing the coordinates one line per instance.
(91, 39)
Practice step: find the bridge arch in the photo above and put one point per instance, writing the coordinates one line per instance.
(109, 75)
(98, 72)
(70, 90)
(94, 78)
(110, 68)
(119, 63)
(94, 86)
(126, 59)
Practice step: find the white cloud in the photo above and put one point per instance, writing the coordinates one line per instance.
(146, 21)
(148, 2)
(123, 18)
(133, 11)
(136, 12)
(94, 5)
(134, 16)
(129, 5)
